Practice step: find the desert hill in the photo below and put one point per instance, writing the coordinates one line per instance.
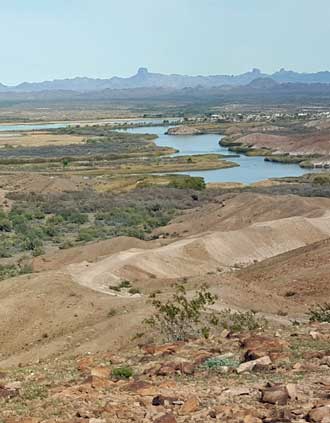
(71, 306)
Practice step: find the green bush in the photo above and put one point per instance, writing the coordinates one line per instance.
(181, 318)
(5, 224)
(122, 372)
(38, 251)
(12, 270)
(74, 217)
(237, 321)
(187, 182)
(125, 284)
(134, 291)
(321, 179)
(320, 313)
(218, 362)
(89, 234)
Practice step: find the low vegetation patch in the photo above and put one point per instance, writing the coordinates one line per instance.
(237, 321)
(122, 372)
(181, 318)
(320, 313)
(215, 363)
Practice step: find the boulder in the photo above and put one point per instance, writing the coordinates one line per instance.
(251, 365)
(144, 389)
(276, 394)
(190, 405)
(319, 414)
(166, 418)
(98, 382)
(152, 349)
(258, 346)
(101, 372)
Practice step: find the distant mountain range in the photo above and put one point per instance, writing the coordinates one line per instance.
(145, 79)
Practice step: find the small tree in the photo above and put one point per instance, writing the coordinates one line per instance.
(180, 318)
(65, 163)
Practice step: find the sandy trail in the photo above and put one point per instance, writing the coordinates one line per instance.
(203, 253)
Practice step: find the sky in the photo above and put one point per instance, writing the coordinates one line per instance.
(49, 39)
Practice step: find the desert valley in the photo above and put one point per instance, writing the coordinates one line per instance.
(164, 211)
(141, 292)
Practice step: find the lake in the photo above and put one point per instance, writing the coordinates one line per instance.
(252, 169)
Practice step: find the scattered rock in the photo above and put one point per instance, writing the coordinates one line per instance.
(166, 418)
(144, 389)
(251, 419)
(164, 349)
(6, 391)
(315, 335)
(325, 361)
(98, 382)
(161, 400)
(292, 391)
(251, 365)
(212, 414)
(258, 346)
(101, 372)
(319, 414)
(276, 394)
(22, 420)
(190, 406)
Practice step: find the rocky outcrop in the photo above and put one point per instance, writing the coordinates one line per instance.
(184, 130)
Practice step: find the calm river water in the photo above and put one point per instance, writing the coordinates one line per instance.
(251, 169)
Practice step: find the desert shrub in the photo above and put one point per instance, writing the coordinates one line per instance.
(50, 230)
(66, 244)
(39, 214)
(135, 219)
(55, 220)
(122, 372)
(188, 182)
(89, 234)
(321, 179)
(134, 291)
(125, 284)
(74, 217)
(181, 318)
(38, 251)
(112, 312)
(12, 270)
(5, 224)
(115, 288)
(237, 321)
(31, 239)
(320, 313)
(218, 362)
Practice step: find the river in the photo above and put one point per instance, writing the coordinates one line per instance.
(251, 169)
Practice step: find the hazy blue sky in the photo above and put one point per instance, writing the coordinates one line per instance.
(46, 39)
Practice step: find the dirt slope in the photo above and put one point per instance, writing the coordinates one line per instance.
(199, 254)
(55, 312)
(235, 211)
(55, 316)
(301, 275)
(316, 143)
(90, 252)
